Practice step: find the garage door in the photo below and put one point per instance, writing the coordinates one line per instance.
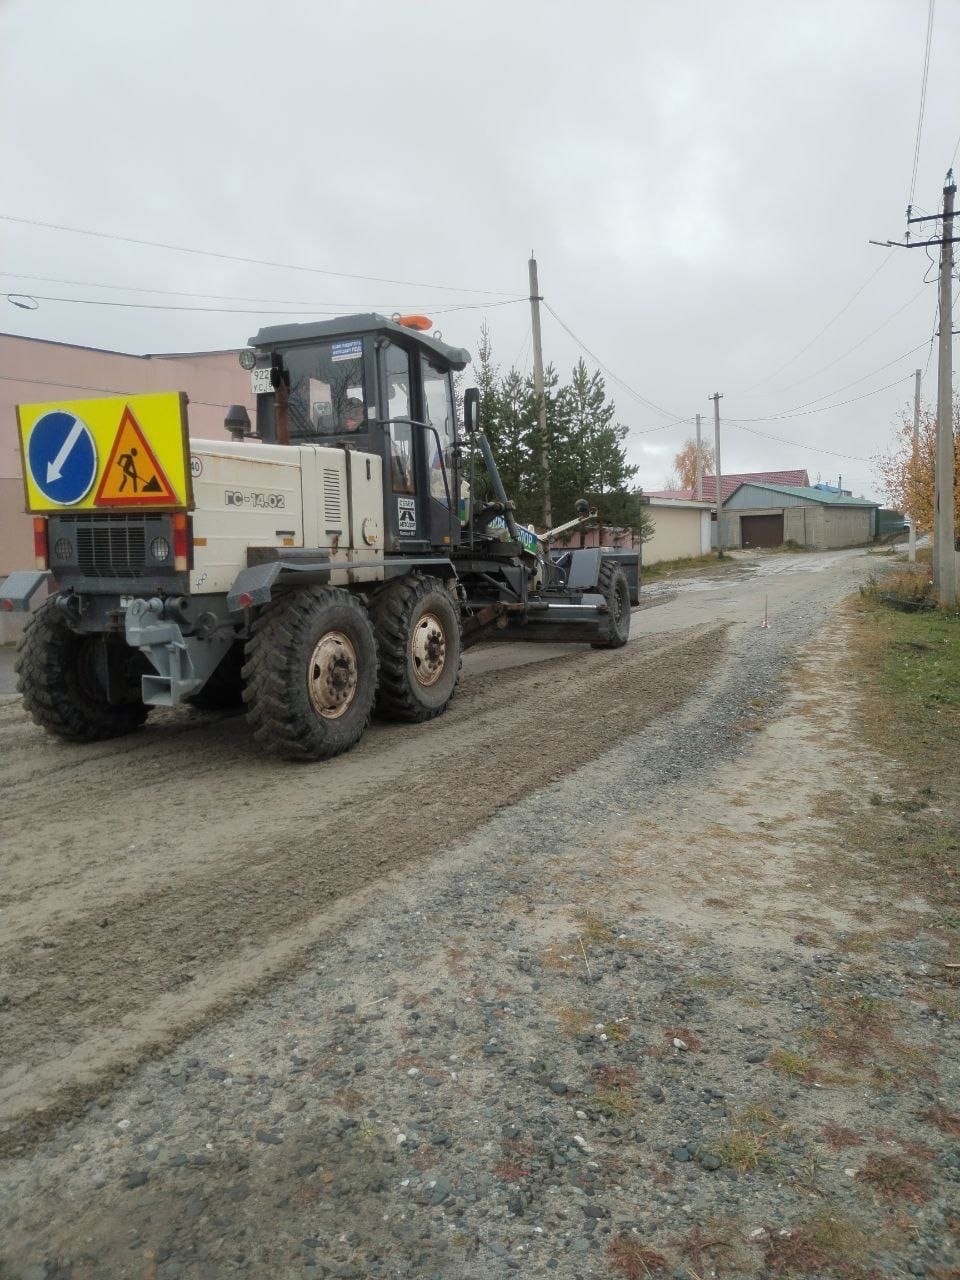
(762, 531)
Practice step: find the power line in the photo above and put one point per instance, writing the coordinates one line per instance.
(823, 368)
(795, 443)
(923, 101)
(217, 297)
(245, 311)
(801, 412)
(233, 257)
(610, 373)
(819, 334)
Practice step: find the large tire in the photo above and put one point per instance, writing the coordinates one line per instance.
(419, 637)
(310, 675)
(57, 675)
(224, 689)
(613, 586)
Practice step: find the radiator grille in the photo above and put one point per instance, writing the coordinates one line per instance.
(332, 509)
(113, 546)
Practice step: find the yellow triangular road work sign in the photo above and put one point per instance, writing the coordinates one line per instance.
(133, 477)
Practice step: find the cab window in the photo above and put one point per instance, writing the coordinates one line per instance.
(396, 366)
(326, 389)
(438, 408)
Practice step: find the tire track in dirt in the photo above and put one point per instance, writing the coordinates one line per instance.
(238, 862)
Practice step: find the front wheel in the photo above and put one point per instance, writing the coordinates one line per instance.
(613, 586)
(417, 624)
(60, 675)
(310, 675)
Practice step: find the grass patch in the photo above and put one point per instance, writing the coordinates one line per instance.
(908, 669)
(629, 1256)
(894, 1178)
(825, 1244)
(742, 1149)
(947, 1122)
(613, 1095)
(594, 929)
(686, 566)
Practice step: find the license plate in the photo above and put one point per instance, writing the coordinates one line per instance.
(260, 381)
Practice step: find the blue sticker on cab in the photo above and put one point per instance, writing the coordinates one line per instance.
(350, 350)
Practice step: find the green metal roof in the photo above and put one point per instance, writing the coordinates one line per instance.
(809, 494)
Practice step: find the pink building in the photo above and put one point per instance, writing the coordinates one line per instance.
(34, 371)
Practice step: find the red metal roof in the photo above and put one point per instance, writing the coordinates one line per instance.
(729, 483)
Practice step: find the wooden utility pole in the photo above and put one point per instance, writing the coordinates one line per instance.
(912, 535)
(699, 489)
(944, 554)
(538, 387)
(716, 398)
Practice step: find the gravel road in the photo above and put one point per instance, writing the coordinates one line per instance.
(491, 995)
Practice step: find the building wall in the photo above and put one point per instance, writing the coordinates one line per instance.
(34, 372)
(678, 531)
(841, 526)
(820, 526)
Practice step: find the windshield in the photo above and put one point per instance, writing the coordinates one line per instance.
(326, 389)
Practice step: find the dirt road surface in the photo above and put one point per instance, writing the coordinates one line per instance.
(165, 883)
(150, 881)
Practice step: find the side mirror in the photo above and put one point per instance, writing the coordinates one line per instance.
(471, 410)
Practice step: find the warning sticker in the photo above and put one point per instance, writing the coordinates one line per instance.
(111, 452)
(133, 476)
(406, 517)
(351, 349)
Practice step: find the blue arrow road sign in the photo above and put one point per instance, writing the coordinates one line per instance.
(62, 457)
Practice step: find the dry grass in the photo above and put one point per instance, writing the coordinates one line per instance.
(946, 1121)
(742, 1149)
(894, 1178)
(825, 1244)
(837, 1137)
(629, 1256)
(573, 1021)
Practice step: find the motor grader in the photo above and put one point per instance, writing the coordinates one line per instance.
(326, 562)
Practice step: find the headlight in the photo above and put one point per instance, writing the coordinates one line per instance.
(160, 549)
(63, 549)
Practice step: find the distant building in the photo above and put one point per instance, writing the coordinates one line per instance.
(730, 483)
(768, 515)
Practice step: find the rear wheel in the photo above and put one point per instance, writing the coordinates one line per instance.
(613, 586)
(417, 625)
(59, 674)
(310, 675)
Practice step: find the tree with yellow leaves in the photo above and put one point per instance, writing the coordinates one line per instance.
(907, 477)
(685, 463)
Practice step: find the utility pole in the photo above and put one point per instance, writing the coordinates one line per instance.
(535, 300)
(716, 398)
(912, 536)
(699, 489)
(944, 555)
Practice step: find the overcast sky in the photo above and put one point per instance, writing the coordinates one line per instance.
(699, 182)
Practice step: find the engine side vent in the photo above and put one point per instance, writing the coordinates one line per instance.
(332, 504)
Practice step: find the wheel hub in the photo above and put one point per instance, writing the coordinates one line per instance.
(428, 649)
(332, 675)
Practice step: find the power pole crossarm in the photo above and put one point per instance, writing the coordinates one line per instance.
(538, 388)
